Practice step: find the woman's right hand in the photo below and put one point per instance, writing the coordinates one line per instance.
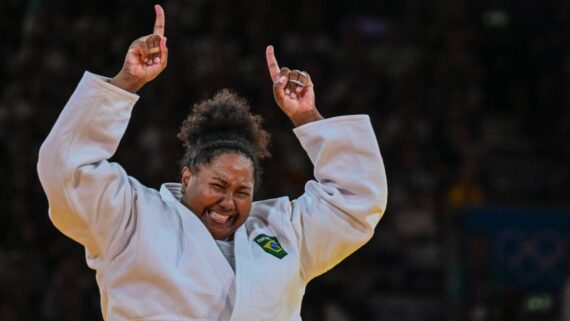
(147, 58)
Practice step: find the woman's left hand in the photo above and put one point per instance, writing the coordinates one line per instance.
(293, 91)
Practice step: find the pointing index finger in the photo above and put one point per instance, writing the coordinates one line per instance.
(272, 64)
(159, 22)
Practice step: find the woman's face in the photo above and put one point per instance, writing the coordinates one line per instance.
(220, 193)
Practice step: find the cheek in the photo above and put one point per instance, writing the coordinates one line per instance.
(244, 206)
(197, 199)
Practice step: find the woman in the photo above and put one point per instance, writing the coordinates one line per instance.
(201, 250)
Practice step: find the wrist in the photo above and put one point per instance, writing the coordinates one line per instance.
(306, 117)
(129, 84)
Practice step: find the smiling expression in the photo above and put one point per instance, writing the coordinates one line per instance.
(220, 193)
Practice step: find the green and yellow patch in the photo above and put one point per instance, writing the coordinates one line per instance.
(271, 245)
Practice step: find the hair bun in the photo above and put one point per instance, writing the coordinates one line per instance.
(222, 117)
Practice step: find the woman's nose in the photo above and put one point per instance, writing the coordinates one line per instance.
(227, 202)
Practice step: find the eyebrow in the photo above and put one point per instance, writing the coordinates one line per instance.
(220, 177)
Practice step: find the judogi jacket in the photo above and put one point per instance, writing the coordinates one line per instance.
(156, 261)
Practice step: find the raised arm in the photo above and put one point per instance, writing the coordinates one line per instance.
(339, 210)
(90, 198)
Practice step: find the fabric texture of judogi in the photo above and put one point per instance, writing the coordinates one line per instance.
(155, 260)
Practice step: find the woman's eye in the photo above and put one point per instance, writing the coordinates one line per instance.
(217, 187)
(242, 194)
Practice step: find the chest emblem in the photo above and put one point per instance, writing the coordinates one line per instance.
(271, 245)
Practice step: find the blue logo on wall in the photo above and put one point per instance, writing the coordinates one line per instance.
(525, 248)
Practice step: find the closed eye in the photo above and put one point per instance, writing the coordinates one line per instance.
(217, 187)
(243, 194)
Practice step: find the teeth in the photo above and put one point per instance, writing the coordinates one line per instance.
(218, 218)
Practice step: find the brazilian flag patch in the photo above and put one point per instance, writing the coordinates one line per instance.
(270, 245)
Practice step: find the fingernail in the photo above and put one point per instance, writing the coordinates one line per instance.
(156, 60)
(287, 91)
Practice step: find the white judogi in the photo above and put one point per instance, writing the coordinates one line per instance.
(155, 260)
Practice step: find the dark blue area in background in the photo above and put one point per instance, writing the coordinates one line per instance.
(527, 247)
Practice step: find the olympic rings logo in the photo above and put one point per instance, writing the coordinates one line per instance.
(529, 254)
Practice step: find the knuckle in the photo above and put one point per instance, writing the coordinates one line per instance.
(137, 43)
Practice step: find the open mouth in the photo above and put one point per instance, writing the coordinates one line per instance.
(218, 218)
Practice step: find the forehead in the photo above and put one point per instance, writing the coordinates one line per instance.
(229, 166)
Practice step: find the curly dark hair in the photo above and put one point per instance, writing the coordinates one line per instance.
(223, 124)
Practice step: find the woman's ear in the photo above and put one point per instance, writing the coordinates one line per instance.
(186, 174)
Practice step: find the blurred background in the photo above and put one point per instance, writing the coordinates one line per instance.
(470, 100)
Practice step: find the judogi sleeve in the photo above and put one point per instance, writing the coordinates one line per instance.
(339, 210)
(89, 198)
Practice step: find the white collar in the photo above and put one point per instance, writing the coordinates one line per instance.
(171, 192)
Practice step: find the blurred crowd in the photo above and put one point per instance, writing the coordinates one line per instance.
(470, 100)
